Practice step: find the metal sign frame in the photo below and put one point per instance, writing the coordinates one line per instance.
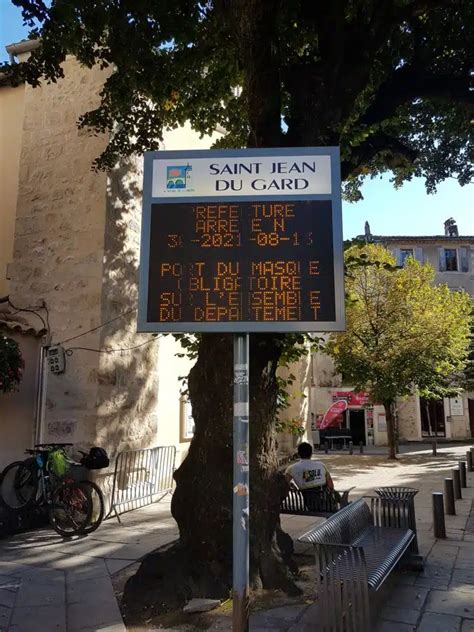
(243, 326)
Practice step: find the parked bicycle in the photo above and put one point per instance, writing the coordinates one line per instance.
(43, 480)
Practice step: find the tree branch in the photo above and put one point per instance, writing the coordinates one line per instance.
(398, 154)
(255, 24)
(407, 84)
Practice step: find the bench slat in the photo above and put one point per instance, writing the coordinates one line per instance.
(317, 502)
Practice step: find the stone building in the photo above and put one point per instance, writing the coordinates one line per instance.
(452, 257)
(69, 240)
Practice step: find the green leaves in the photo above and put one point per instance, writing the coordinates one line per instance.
(403, 332)
(389, 82)
(11, 364)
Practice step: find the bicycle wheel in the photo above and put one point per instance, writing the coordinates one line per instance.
(19, 484)
(70, 508)
(98, 507)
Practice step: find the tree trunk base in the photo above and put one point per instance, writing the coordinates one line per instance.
(169, 577)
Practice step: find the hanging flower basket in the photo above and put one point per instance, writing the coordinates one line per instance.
(11, 364)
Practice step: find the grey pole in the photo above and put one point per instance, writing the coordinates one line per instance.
(351, 447)
(462, 473)
(434, 448)
(449, 497)
(457, 484)
(240, 610)
(469, 461)
(361, 447)
(439, 526)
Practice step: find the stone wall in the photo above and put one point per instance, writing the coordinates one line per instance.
(458, 426)
(299, 402)
(11, 127)
(59, 238)
(76, 247)
(409, 421)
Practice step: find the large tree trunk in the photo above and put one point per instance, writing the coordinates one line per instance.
(200, 564)
(202, 502)
(392, 449)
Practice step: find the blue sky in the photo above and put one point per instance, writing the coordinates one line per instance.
(406, 211)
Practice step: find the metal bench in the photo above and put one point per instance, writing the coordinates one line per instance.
(356, 550)
(314, 502)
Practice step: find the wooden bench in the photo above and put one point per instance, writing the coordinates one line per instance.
(314, 502)
(356, 550)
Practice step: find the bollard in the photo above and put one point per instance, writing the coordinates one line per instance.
(351, 447)
(469, 461)
(457, 484)
(435, 448)
(439, 526)
(462, 473)
(361, 447)
(326, 447)
(449, 497)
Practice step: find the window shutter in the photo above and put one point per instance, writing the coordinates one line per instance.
(442, 260)
(464, 259)
(398, 256)
(419, 254)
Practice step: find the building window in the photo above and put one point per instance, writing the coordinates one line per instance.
(454, 259)
(404, 254)
(450, 260)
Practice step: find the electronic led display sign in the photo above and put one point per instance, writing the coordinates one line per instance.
(242, 241)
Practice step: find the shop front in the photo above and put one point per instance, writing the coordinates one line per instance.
(365, 420)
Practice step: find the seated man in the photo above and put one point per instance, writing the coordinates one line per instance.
(308, 475)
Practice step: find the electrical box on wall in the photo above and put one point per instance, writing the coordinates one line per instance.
(56, 359)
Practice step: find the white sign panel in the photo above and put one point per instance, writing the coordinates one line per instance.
(456, 406)
(262, 175)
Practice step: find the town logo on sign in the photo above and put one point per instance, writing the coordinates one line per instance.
(178, 177)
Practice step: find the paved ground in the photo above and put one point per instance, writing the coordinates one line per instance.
(51, 585)
(441, 599)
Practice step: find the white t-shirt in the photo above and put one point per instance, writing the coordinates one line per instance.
(308, 473)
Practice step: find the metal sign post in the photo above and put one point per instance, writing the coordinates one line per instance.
(240, 527)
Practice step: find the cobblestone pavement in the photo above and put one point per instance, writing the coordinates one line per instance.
(441, 598)
(51, 585)
(48, 584)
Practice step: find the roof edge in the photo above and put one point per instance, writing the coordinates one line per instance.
(24, 46)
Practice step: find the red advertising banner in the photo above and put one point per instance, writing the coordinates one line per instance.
(333, 415)
(352, 398)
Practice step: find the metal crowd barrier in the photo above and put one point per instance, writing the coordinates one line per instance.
(140, 476)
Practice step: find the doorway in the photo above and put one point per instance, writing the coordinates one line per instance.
(357, 426)
(432, 417)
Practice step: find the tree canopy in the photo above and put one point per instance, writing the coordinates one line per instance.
(403, 333)
(387, 80)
